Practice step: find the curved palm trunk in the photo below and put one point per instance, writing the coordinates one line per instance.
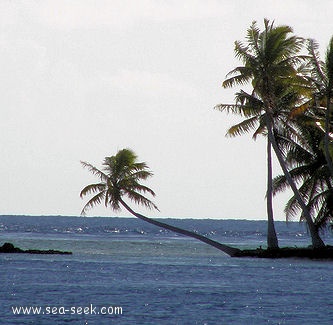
(231, 251)
(317, 242)
(272, 241)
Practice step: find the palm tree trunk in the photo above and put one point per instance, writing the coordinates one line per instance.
(231, 251)
(272, 241)
(317, 242)
(327, 134)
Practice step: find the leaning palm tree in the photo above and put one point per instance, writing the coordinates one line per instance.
(308, 167)
(270, 62)
(120, 177)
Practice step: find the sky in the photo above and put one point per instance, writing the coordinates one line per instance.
(83, 79)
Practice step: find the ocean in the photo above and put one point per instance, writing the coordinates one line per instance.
(124, 271)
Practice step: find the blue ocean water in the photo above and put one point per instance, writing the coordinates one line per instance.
(124, 271)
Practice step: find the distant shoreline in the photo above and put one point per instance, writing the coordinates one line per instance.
(9, 248)
(131, 217)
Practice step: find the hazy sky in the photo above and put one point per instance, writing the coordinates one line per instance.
(82, 79)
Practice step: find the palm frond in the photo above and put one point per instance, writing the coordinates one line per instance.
(252, 104)
(315, 63)
(132, 185)
(141, 174)
(230, 108)
(95, 200)
(140, 199)
(95, 171)
(292, 209)
(244, 53)
(253, 34)
(329, 65)
(238, 79)
(92, 188)
(243, 127)
(280, 184)
(261, 130)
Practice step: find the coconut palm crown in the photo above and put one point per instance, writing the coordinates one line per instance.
(120, 176)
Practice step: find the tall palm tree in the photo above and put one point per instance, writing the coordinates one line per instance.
(120, 177)
(322, 80)
(252, 109)
(270, 62)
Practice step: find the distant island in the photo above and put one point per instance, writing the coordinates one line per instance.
(10, 248)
